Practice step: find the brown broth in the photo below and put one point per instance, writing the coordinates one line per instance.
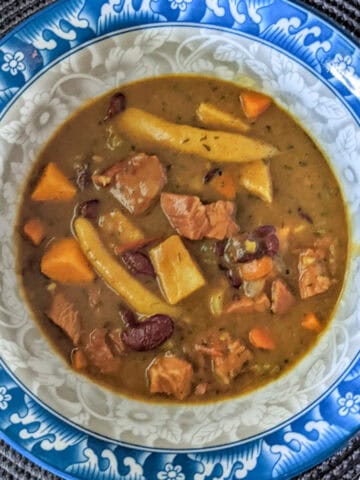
(301, 178)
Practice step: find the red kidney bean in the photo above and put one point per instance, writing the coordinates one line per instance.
(220, 247)
(128, 317)
(148, 334)
(117, 104)
(234, 278)
(139, 263)
(211, 174)
(89, 209)
(264, 230)
(271, 246)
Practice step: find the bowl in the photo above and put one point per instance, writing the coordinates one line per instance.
(78, 49)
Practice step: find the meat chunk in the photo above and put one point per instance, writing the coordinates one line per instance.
(228, 356)
(249, 305)
(134, 182)
(118, 345)
(313, 272)
(194, 220)
(220, 215)
(281, 297)
(99, 352)
(63, 313)
(171, 375)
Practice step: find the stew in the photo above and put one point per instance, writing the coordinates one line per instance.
(182, 239)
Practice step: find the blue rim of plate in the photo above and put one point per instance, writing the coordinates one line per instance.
(290, 448)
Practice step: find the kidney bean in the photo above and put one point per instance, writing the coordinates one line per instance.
(128, 317)
(220, 248)
(139, 263)
(89, 209)
(211, 174)
(264, 230)
(148, 334)
(117, 104)
(234, 278)
(271, 246)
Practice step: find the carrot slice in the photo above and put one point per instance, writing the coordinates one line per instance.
(261, 338)
(254, 104)
(64, 262)
(224, 184)
(256, 269)
(311, 322)
(53, 185)
(34, 230)
(78, 359)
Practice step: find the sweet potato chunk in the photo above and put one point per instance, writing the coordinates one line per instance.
(53, 185)
(224, 185)
(63, 313)
(64, 262)
(212, 117)
(149, 131)
(178, 273)
(34, 229)
(256, 178)
(261, 338)
(254, 103)
(170, 375)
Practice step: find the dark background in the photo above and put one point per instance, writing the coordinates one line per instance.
(345, 465)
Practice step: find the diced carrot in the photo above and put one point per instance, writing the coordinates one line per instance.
(254, 103)
(34, 229)
(136, 244)
(261, 338)
(224, 184)
(78, 359)
(53, 185)
(311, 322)
(256, 269)
(64, 262)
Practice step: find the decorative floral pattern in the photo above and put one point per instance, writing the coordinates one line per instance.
(349, 404)
(4, 398)
(171, 472)
(13, 63)
(222, 431)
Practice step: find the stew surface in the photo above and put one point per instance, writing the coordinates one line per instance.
(182, 239)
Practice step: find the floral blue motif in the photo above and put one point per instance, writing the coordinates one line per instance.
(4, 398)
(180, 4)
(52, 441)
(171, 472)
(349, 404)
(13, 63)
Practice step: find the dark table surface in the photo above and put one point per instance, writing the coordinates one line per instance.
(345, 465)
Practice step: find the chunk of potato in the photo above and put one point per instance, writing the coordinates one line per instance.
(148, 131)
(117, 224)
(179, 275)
(212, 117)
(256, 178)
(115, 275)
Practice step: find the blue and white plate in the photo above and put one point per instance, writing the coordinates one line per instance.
(78, 49)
